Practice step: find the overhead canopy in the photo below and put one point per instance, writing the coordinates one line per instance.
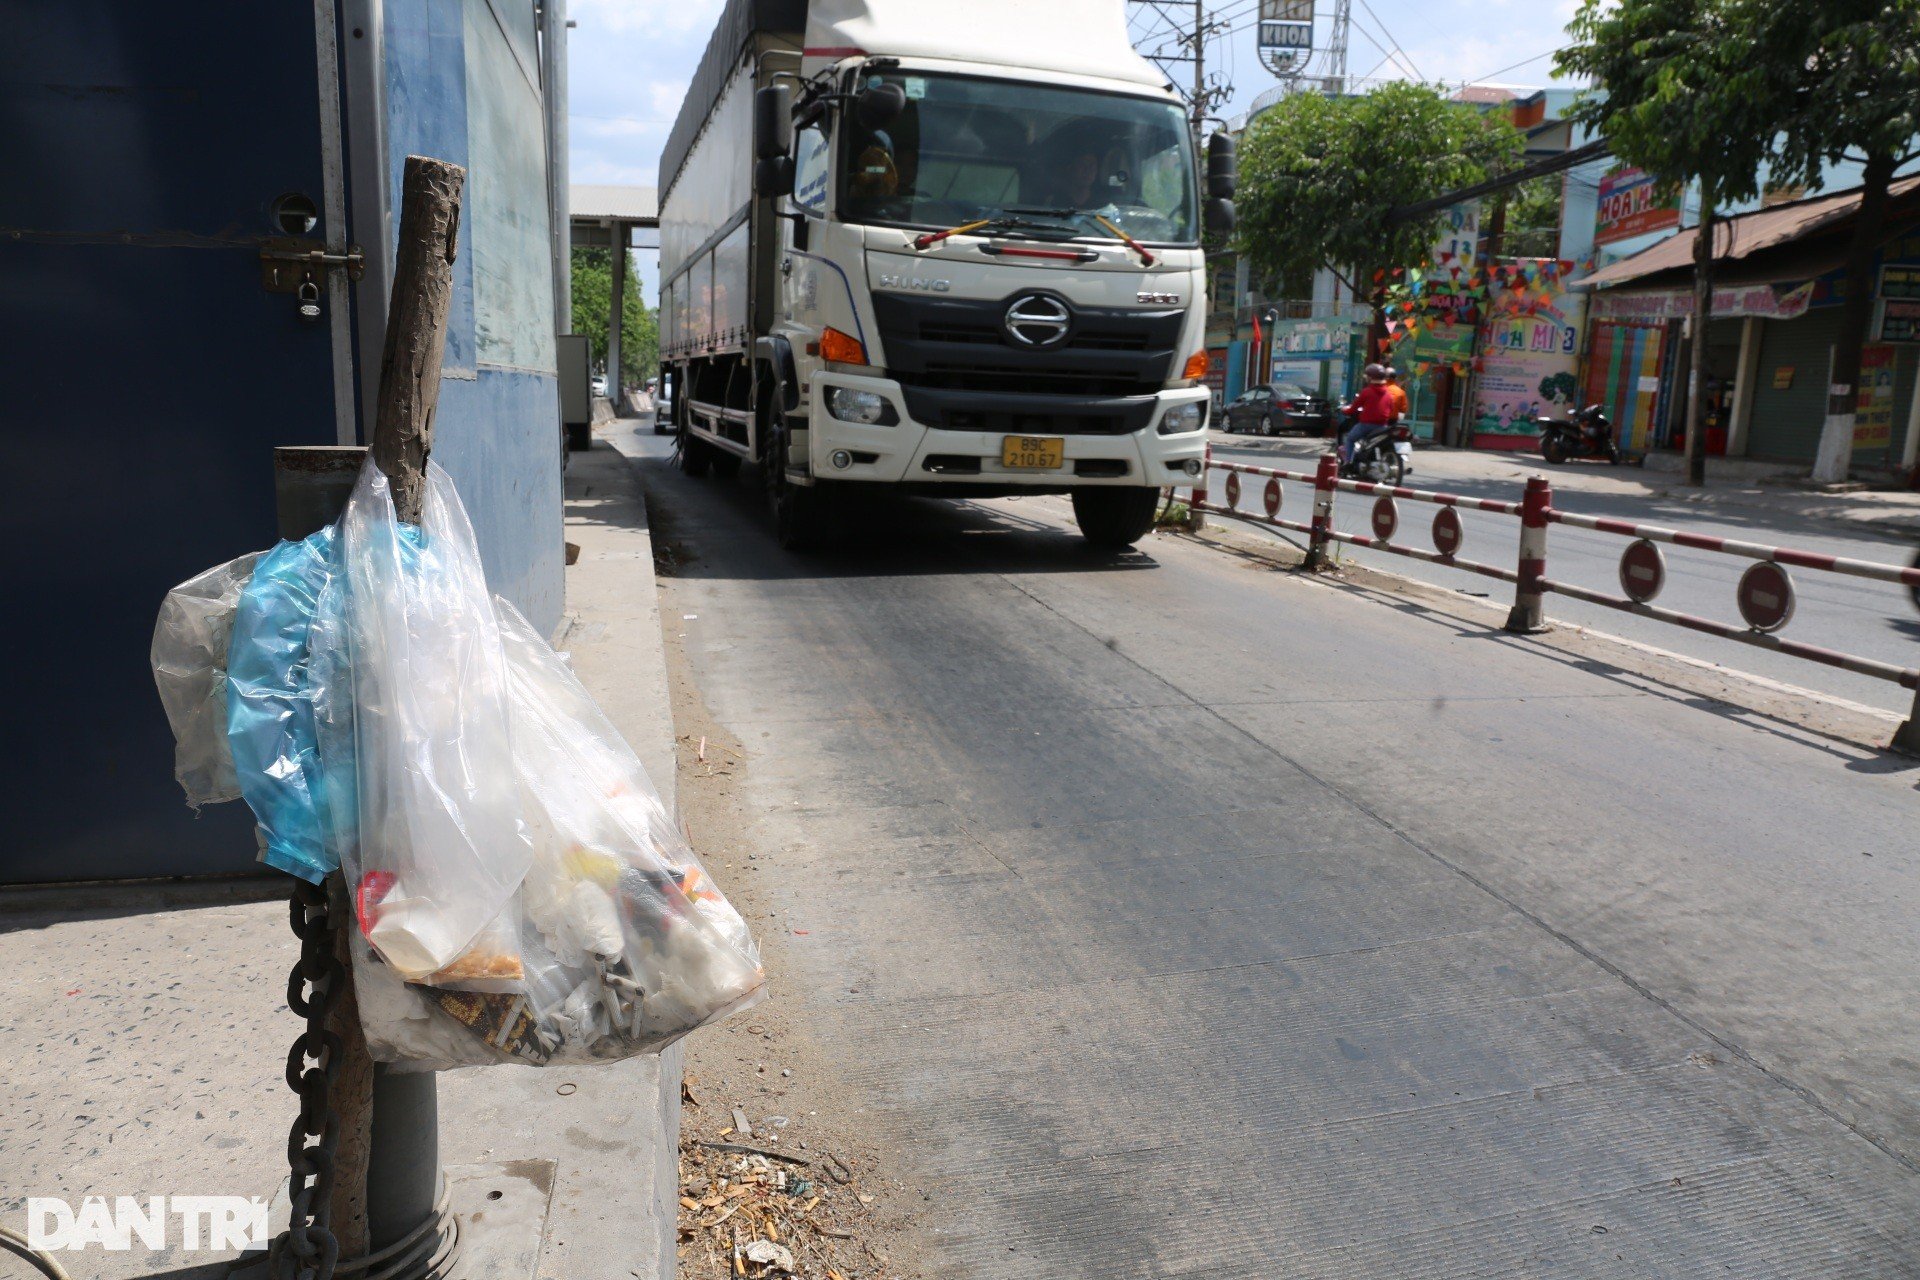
(599, 204)
(1078, 37)
(1742, 237)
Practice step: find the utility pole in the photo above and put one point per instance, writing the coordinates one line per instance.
(1199, 69)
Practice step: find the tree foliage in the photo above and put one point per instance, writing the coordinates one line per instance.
(1677, 92)
(593, 305)
(1852, 71)
(1319, 176)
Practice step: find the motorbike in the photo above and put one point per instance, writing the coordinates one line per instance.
(1587, 434)
(1383, 455)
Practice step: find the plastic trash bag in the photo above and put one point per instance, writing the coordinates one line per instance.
(189, 658)
(439, 846)
(270, 728)
(627, 943)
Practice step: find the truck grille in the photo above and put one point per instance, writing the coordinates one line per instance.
(944, 343)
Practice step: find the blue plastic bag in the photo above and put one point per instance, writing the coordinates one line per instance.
(270, 723)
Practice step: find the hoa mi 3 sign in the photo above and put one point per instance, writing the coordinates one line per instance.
(1632, 204)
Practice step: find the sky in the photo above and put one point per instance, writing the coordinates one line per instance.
(630, 60)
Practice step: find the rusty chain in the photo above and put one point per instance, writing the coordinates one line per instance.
(309, 1250)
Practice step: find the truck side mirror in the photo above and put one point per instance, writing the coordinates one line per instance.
(773, 176)
(1220, 216)
(772, 122)
(879, 105)
(1223, 166)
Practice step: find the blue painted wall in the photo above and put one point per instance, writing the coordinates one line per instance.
(460, 86)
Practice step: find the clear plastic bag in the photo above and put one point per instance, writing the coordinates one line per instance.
(440, 847)
(189, 657)
(627, 943)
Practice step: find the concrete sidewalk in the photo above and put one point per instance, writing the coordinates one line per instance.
(147, 1031)
(1881, 512)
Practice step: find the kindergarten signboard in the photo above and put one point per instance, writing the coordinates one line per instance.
(1530, 347)
(1631, 205)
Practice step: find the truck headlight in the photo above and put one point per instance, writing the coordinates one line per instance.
(1182, 418)
(868, 408)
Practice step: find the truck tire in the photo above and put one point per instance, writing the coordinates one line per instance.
(1116, 517)
(801, 519)
(696, 456)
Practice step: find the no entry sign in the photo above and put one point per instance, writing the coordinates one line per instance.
(1233, 489)
(1386, 518)
(1643, 570)
(1272, 497)
(1766, 596)
(1447, 531)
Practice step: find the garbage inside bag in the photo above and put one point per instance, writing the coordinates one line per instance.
(189, 658)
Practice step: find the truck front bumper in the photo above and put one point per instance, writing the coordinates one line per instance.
(1101, 444)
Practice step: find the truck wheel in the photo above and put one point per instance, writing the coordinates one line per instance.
(696, 456)
(1116, 517)
(801, 518)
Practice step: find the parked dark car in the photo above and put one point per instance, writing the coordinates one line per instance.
(1274, 407)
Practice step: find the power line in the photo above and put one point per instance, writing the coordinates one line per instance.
(1482, 79)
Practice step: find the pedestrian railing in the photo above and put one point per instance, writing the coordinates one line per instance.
(1765, 595)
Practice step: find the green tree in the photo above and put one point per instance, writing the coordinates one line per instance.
(1678, 92)
(1853, 72)
(1533, 218)
(593, 305)
(1320, 177)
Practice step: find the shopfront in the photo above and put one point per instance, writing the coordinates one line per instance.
(1323, 355)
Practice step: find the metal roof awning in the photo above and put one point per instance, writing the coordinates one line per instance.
(597, 215)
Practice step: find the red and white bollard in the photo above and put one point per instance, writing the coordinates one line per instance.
(1529, 611)
(1323, 490)
(1197, 518)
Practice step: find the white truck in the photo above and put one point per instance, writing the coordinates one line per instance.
(954, 249)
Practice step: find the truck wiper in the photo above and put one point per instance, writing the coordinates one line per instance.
(932, 238)
(1146, 258)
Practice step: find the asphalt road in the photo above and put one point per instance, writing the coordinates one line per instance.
(1852, 615)
(1183, 918)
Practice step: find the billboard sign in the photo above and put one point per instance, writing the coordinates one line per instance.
(1631, 204)
(1285, 33)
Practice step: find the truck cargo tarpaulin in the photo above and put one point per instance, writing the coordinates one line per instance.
(1076, 37)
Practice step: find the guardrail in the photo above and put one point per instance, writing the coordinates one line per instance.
(1765, 595)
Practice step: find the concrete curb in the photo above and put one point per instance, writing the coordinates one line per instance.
(615, 1134)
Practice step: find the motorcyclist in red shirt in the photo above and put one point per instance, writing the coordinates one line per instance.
(1373, 408)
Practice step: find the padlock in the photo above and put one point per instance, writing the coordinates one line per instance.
(309, 295)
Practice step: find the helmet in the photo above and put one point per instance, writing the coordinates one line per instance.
(1376, 373)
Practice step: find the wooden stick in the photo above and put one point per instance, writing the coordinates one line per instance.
(417, 327)
(402, 438)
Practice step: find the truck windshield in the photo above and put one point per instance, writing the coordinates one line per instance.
(966, 149)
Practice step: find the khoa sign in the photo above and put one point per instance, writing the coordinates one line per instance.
(1285, 34)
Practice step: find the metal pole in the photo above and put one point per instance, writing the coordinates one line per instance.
(1323, 490)
(553, 94)
(1529, 613)
(1196, 518)
(618, 304)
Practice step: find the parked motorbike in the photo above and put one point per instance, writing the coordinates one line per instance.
(1587, 434)
(1382, 455)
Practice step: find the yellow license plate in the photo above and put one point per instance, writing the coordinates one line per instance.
(1033, 453)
